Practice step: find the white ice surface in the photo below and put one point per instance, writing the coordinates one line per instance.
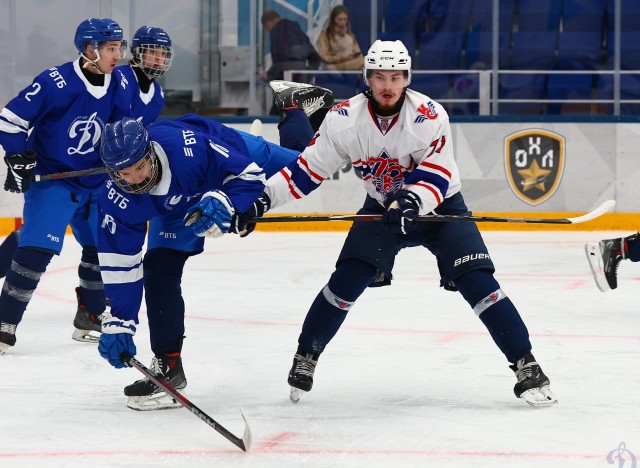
(411, 380)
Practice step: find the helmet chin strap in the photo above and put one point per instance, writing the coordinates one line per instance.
(94, 63)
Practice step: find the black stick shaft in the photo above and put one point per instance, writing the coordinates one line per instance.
(243, 443)
(66, 175)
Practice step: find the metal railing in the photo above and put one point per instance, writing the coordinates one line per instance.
(487, 100)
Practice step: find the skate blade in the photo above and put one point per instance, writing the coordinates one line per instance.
(155, 402)
(295, 394)
(281, 85)
(4, 348)
(594, 256)
(86, 336)
(539, 397)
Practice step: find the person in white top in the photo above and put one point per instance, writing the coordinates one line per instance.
(400, 141)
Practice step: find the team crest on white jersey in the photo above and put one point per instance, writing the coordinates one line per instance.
(534, 163)
(88, 130)
(386, 172)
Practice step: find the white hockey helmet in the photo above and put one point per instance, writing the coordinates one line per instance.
(387, 55)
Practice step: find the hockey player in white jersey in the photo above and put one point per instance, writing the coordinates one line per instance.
(52, 126)
(401, 144)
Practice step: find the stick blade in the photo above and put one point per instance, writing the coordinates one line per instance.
(247, 438)
(599, 211)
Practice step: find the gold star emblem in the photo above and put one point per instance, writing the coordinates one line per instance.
(533, 177)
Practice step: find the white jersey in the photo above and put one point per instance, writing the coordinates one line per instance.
(411, 151)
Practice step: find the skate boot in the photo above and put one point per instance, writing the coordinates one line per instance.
(604, 259)
(301, 373)
(532, 385)
(145, 396)
(7, 336)
(88, 325)
(308, 98)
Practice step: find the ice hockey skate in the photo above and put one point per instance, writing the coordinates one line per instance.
(604, 258)
(88, 325)
(7, 336)
(308, 98)
(144, 395)
(301, 374)
(533, 384)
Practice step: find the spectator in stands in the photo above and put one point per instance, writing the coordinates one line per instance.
(291, 48)
(337, 45)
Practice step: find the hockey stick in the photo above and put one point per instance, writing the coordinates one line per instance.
(244, 443)
(66, 175)
(599, 211)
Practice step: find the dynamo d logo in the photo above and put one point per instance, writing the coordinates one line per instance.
(534, 162)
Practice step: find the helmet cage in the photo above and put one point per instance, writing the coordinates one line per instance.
(146, 185)
(153, 59)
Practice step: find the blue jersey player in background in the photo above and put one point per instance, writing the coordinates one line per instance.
(53, 126)
(152, 55)
(175, 172)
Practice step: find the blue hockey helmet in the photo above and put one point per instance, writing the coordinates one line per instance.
(96, 30)
(152, 52)
(122, 145)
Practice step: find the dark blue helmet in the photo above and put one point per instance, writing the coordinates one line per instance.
(152, 52)
(122, 145)
(96, 30)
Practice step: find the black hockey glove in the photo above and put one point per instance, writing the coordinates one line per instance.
(240, 223)
(402, 211)
(20, 171)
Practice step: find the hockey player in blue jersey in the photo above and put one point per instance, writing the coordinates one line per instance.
(52, 126)
(400, 142)
(152, 56)
(178, 170)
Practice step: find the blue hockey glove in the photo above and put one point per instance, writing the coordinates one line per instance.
(116, 341)
(402, 211)
(241, 225)
(211, 216)
(20, 172)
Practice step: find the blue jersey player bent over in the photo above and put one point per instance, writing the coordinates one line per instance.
(400, 142)
(52, 126)
(166, 175)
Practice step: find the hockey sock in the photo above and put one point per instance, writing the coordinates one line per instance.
(295, 130)
(330, 307)
(483, 293)
(7, 250)
(163, 297)
(21, 282)
(91, 285)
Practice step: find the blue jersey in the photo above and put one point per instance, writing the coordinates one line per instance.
(145, 107)
(61, 116)
(196, 156)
